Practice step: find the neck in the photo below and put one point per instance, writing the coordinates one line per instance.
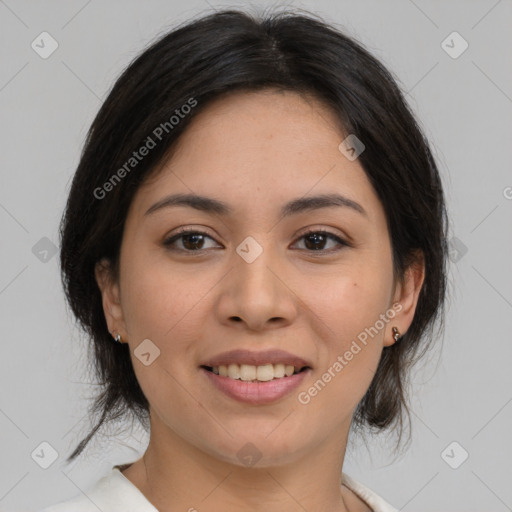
(174, 474)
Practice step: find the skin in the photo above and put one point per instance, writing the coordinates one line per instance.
(255, 151)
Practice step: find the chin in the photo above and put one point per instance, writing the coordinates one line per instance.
(258, 451)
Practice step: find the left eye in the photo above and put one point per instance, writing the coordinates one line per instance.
(316, 240)
(194, 241)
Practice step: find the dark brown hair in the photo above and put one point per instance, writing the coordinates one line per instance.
(233, 51)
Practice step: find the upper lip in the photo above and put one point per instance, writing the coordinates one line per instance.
(257, 358)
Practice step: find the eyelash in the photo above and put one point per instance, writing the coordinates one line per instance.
(169, 241)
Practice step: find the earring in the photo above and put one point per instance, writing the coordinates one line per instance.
(396, 334)
(118, 338)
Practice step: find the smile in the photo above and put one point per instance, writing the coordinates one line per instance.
(255, 385)
(252, 373)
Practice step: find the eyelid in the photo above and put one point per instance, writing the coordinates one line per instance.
(190, 229)
(328, 231)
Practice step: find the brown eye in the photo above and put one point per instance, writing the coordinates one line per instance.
(317, 241)
(189, 241)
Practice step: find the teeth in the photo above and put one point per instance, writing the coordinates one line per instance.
(248, 372)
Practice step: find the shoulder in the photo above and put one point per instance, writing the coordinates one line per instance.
(110, 494)
(371, 498)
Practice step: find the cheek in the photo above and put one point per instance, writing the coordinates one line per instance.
(354, 301)
(164, 306)
(160, 302)
(353, 307)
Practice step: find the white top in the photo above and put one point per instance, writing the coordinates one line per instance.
(115, 493)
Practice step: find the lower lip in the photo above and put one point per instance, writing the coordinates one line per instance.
(256, 392)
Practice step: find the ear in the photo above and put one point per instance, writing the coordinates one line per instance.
(110, 298)
(407, 291)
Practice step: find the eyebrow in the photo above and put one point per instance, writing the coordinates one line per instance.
(295, 206)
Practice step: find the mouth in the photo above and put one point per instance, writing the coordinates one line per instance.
(256, 385)
(256, 378)
(252, 373)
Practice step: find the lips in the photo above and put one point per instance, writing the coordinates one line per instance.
(256, 378)
(247, 357)
(255, 393)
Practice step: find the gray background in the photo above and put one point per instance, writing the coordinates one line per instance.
(462, 394)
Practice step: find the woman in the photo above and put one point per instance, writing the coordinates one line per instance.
(255, 242)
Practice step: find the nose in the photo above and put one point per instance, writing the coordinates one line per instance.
(257, 295)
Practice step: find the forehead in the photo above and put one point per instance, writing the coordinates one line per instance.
(259, 149)
(267, 120)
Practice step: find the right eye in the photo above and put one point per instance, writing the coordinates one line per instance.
(189, 239)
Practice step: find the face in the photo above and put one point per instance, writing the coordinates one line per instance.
(315, 280)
